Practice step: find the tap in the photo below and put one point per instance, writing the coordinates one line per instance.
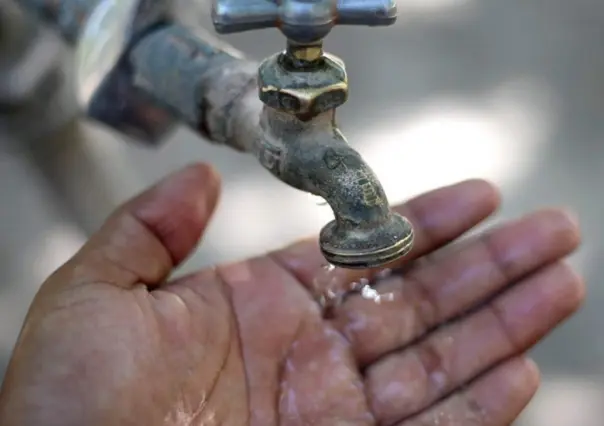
(140, 72)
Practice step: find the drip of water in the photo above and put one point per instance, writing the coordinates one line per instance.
(319, 201)
(332, 285)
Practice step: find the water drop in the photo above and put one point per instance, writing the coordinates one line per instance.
(319, 201)
(329, 267)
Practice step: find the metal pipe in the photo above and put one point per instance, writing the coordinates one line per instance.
(212, 90)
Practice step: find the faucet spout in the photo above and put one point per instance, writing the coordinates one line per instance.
(313, 156)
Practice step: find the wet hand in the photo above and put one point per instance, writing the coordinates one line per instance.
(110, 340)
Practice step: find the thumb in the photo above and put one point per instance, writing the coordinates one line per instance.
(149, 235)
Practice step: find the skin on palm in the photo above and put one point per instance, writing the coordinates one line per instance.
(108, 340)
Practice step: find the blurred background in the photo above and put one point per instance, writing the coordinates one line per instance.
(508, 90)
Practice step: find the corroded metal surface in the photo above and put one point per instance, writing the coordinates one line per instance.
(303, 91)
(314, 156)
(199, 82)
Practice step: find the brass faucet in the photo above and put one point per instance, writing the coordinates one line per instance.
(139, 73)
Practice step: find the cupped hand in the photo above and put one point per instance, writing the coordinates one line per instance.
(109, 340)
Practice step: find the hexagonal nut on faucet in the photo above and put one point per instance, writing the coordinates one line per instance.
(304, 93)
(106, 88)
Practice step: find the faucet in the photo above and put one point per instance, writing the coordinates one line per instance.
(139, 72)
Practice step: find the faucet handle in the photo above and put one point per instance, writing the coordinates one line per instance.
(235, 16)
(301, 21)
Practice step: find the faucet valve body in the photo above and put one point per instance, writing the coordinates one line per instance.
(300, 143)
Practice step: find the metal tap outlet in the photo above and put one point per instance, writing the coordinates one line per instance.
(139, 72)
(300, 142)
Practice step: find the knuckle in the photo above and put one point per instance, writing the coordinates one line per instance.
(511, 338)
(504, 267)
(575, 284)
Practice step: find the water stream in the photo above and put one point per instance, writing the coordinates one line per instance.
(332, 285)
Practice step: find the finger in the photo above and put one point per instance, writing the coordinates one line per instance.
(495, 399)
(438, 290)
(456, 353)
(149, 235)
(438, 217)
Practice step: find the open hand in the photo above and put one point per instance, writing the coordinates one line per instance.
(109, 340)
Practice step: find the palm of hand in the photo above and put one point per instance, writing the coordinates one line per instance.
(245, 343)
